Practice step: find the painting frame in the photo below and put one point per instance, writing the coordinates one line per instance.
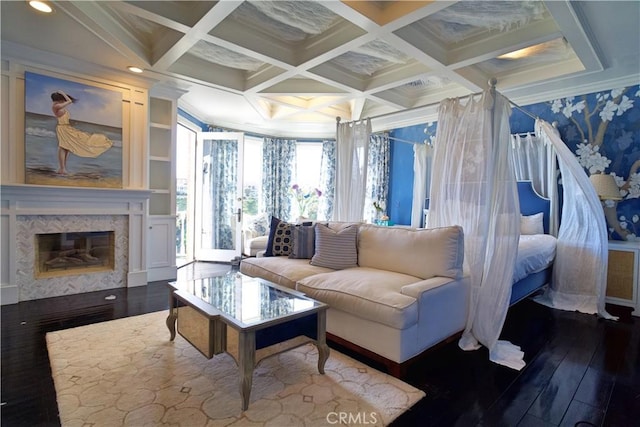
(73, 133)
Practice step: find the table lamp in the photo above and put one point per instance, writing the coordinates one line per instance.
(605, 186)
(607, 189)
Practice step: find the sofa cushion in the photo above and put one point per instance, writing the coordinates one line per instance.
(336, 249)
(279, 243)
(366, 292)
(280, 270)
(423, 253)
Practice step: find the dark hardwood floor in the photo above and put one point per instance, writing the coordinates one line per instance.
(581, 370)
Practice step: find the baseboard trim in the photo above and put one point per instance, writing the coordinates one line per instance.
(162, 273)
(8, 294)
(138, 278)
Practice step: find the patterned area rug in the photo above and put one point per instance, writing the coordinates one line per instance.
(127, 372)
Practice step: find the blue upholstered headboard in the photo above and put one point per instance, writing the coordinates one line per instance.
(531, 202)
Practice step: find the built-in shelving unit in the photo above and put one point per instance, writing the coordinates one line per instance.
(161, 253)
(162, 177)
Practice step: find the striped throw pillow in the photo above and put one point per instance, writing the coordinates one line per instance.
(336, 249)
(303, 238)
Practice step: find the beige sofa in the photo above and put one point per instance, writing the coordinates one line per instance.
(406, 294)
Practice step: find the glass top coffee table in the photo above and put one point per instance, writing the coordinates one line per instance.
(246, 317)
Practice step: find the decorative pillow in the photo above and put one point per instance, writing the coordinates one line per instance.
(531, 224)
(279, 242)
(336, 249)
(260, 225)
(304, 241)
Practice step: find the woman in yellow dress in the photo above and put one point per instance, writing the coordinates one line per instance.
(73, 140)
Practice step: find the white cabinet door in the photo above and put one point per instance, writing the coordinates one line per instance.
(161, 248)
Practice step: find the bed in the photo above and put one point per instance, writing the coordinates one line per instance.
(536, 250)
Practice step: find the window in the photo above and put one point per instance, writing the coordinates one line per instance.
(252, 178)
(304, 201)
(185, 161)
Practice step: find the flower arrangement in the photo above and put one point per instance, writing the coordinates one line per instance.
(306, 198)
(381, 217)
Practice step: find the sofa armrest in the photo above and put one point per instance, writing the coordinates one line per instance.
(416, 289)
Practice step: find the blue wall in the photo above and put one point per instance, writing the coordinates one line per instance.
(401, 173)
(615, 111)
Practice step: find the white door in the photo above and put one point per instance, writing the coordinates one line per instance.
(218, 196)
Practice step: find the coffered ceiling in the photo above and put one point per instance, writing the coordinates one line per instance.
(294, 66)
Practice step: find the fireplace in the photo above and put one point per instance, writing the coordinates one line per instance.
(107, 224)
(68, 253)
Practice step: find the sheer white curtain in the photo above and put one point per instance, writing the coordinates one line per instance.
(352, 152)
(476, 189)
(580, 267)
(534, 159)
(422, 156)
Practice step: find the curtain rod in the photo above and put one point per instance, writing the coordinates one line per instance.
(492, 83)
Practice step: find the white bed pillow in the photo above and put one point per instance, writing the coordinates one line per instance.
(531, 224)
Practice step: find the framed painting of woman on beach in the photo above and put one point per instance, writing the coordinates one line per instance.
(73, 133)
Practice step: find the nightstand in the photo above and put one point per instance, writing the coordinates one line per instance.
(623, 274)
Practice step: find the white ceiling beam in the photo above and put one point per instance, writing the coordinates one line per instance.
(395, 76)
(213, 17)
(578, 35)
(503, 42)
(138, 12)
(213, 74)
(357, 107)
(338, 77)
(93, 17)
(539, 73)
(253, 43)
(301, 86)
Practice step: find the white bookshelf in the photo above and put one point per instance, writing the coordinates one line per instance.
(161, 249)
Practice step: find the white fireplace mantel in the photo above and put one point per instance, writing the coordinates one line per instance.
(20, 201)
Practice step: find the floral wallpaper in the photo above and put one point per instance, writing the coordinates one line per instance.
(603, 130)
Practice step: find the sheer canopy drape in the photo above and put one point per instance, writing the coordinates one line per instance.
(534, 159)
(476, 189)
(377, 174)
(352, 150)
(580, 267)
(278, 157)
(422, 156)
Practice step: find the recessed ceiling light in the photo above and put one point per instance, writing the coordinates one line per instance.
(40, 6)
(135, 69)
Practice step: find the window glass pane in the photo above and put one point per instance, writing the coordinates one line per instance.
(307, 178)
(252, 177)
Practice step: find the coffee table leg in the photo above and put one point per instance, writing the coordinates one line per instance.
(171, 319)
(321, 341)
(246, 363)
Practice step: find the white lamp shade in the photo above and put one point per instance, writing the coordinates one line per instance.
(605, 186)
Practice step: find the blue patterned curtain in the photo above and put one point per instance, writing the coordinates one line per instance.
(327, 179)
(278, 161)
(377, 174)
(221, 178)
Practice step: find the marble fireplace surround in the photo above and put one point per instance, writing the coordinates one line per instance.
(27, 210)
